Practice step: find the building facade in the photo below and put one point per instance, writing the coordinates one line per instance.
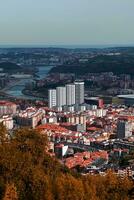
(124, 129)
(79, 92)
(60, 96)
(70, 94)
(7, 108)
(51, 98)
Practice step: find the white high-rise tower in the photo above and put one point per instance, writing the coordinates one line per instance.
(61, 96)
(79, 92)
(51, 98)
(70, 94)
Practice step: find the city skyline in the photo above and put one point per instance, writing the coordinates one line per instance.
(66, 22)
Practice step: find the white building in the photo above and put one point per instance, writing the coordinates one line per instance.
(7, 121)
(79, 92)
(97, 112)
(51, 98)
(7, 108)
(70, 94)
(60, 96)
(30, 117)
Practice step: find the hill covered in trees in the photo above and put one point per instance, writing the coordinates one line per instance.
(28, 172)
(118, 64)
(10, 67)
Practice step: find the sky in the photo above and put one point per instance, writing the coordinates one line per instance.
(67, 22)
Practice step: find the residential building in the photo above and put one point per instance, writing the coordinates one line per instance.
(79, 92)
(7, 121)
(51, 98)
(60, 96)
(7, 108)
(124, 129)
(70, 94)
(30, 117)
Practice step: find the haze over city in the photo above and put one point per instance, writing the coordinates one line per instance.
(62, 22)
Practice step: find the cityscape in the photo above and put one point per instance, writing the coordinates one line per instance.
(89, 133)
(66, 100)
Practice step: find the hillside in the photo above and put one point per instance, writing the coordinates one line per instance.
(10, 67)
(28, 172)
(122, 64)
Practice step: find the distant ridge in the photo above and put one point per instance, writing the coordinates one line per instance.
(9, 66)
(122, 64)
(65, 46)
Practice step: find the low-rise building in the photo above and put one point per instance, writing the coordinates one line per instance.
(30, 117)
(7, 121)
(7, 108)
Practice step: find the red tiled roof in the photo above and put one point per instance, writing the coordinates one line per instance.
(93, 128)
(52, 127)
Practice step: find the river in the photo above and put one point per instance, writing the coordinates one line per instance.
(16, 90)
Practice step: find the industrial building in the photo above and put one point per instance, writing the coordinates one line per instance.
(127, 99)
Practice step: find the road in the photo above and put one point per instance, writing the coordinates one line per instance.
(80, 146)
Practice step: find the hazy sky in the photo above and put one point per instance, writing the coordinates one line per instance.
(91, 22)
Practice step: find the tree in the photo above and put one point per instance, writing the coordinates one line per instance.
(29, 141)
(10, 193)
(3, 133)
(27, 172)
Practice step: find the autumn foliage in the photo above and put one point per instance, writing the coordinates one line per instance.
(27, 172)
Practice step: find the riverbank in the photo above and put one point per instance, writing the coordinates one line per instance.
(16, 89)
